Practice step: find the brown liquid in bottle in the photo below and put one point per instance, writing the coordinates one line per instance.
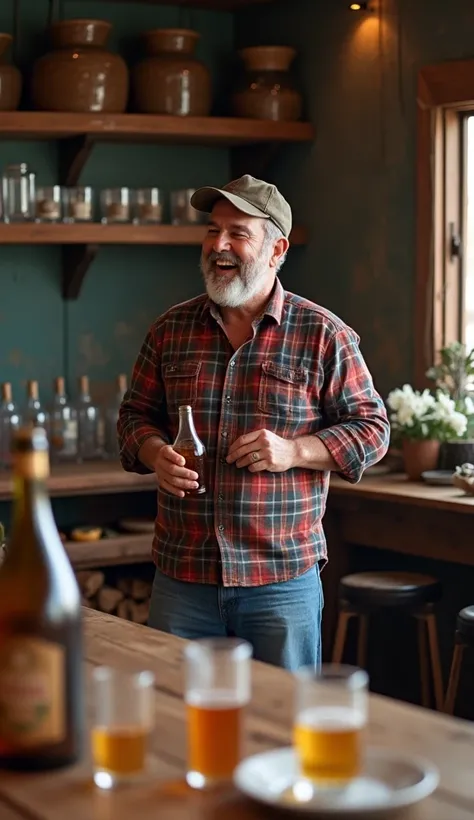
(189, 445)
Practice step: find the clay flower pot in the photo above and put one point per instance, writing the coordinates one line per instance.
(419, 456)
(10, 78)
(171, 80)
(80, 74)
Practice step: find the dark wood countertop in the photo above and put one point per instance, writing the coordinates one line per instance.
(396, 488)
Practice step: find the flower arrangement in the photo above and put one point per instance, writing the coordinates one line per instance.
(454, 375)
(422, 416)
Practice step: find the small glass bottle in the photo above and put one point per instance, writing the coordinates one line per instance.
(34, 414)
(89, 424)
(115, 205)
(48, 204)
(9, 422)
(148, 206)
(78, 204)
(63, 425)
(18, 193)
(111, 417)
(188, 444)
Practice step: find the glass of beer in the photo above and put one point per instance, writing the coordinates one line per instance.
(330, 718)
(217, 689)
(124, 708)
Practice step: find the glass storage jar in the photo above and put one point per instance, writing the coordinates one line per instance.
(18, 193)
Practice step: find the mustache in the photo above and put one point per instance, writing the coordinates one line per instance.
(225, 256)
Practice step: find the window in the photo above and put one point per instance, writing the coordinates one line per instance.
(445, 210)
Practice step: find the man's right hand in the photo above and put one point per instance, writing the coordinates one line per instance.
(172, 474)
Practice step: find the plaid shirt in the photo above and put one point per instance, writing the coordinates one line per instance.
(301, 374)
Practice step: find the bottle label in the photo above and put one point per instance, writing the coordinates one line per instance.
(32, 702)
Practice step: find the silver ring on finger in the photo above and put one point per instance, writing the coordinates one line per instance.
(255, 456)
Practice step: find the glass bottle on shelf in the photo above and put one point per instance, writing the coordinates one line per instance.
(48, 206)
(115, 205)
(18, 193)
(78, 204)
(111, 417)
(63, 425)
(9, 422)
(34, 414)
(89, 424)
(188, 444)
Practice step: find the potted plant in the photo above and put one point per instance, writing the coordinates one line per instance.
(420, 422)
(454, 375)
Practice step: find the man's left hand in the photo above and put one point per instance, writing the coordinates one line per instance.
(262, 450)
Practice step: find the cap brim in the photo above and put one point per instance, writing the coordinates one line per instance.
(204, 200)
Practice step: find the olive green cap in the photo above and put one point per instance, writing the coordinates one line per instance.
(251, 196)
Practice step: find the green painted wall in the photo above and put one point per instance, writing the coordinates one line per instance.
(40, 335)
(357, 188)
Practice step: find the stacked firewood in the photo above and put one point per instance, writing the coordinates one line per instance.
(128, 597)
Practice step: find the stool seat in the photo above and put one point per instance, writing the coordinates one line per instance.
(390, 589)
(465, 624)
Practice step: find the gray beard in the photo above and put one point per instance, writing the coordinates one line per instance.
(236, 292)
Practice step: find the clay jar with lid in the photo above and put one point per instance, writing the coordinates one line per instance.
(10, 78)
(266, 90)
(171, 80)
(80, 74)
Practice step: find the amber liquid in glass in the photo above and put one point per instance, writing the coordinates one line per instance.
(119, 749)
(214, 737)
(328, 741)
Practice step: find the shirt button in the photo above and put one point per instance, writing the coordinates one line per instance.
(232, 364)
(224, 434)
(228, 399)
(223, 461)
(220, 497)
(221, 527)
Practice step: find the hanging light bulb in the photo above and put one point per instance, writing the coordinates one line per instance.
(358, 6)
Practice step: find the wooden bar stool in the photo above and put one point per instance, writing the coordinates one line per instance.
(364, 593)
(464, 638)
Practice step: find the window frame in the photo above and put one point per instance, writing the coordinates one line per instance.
(444, 96)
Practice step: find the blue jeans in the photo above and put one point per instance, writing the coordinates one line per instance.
(282, 621)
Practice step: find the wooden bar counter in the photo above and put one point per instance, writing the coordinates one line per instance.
(69, 794)
(393, 514)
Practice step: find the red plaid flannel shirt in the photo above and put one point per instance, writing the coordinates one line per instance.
(301, 374)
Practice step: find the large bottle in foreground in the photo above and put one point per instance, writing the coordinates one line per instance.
(41, 691)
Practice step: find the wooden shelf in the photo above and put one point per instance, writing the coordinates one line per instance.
(106, 552)
(96, 478)
(81, 242)
(225, 131)
(36, 233)
(215, 5)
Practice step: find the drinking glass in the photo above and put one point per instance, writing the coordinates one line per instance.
(122, 725)
(217, 689)
(329, 722)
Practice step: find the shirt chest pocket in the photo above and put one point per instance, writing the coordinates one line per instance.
(181, 383)
(283, 391)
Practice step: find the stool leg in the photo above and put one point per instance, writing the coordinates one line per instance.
(340, 638)
(362, 641)
(454, 679)
(424, 668)
(435, 661)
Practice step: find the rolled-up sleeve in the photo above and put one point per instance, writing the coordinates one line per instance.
(358, 430)
(142, 413)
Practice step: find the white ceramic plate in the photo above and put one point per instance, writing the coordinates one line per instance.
(441, 477)
(391, 780)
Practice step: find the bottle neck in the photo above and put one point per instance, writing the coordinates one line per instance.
(186, 429)
(30, 472)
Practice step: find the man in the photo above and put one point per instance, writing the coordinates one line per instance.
(281, 397)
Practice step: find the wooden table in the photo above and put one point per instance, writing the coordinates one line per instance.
(392, 513)
(69, 795)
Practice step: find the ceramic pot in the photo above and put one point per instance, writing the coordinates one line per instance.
(171, 80)
(419, 456)
(10, 78)
(266, 90)
(454, 453)
(80, 74)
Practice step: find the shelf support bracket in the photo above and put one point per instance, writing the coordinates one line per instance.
(77, 260)
(73, 155)
(254, 159)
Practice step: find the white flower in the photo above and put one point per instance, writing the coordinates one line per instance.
(458, 422)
